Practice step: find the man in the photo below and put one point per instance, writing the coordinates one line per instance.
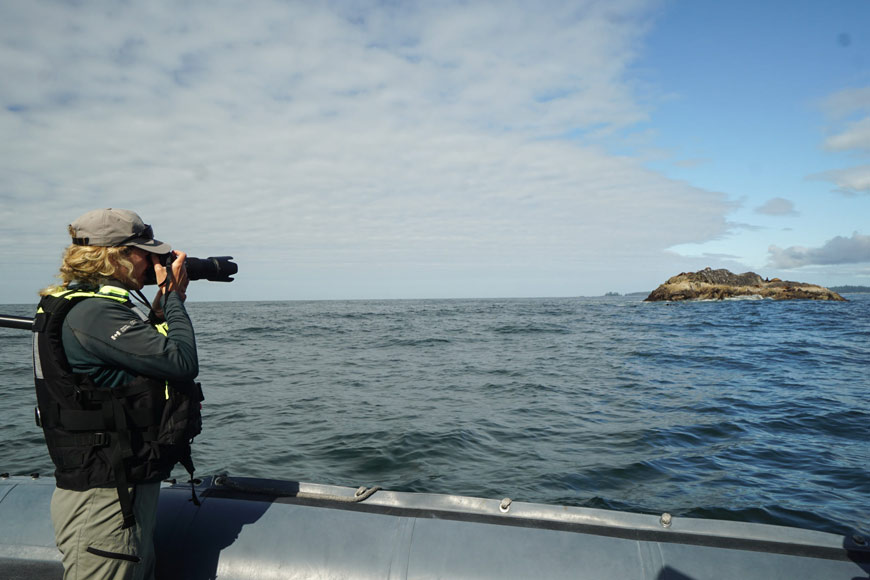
(115, 392)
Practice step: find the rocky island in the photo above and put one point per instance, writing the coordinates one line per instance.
(709, 284)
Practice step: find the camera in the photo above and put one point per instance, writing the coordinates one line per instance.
(215, 268)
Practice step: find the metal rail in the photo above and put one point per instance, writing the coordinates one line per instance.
(22, 322)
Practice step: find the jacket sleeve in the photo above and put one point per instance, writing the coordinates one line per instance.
(114, 334)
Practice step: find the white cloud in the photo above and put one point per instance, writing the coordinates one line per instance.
(777, 206)
(839, 250)
(850, 112)
(691, 163)
(856, 136)
(300, 134)
(851, 181)
(846, 103)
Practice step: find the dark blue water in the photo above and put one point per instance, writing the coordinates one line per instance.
(750, 410)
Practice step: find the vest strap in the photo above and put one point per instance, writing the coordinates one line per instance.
(98, 439)
(117, 461)
(121, 450)
(40, 321)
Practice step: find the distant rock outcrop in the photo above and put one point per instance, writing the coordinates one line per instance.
(708, 284)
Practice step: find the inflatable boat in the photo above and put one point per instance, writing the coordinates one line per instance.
(245, 528)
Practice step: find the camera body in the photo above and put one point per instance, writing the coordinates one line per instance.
(215, 268)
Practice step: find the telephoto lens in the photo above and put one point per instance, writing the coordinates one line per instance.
(215, 268)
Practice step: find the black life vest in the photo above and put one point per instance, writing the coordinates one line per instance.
(107, 437)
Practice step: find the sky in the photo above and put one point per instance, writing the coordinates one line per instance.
(379, 150)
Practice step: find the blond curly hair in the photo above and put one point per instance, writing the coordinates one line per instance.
(93, 265)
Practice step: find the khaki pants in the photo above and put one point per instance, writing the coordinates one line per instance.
(89, 534)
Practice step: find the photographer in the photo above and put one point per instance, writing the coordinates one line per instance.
(115, 391)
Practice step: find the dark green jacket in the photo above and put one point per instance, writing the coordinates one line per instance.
(109, 341)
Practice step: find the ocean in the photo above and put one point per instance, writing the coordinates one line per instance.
(747, 410)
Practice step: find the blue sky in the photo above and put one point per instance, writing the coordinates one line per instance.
(755, 89)
(443, 149)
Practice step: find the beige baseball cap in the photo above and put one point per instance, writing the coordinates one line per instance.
(116, 227)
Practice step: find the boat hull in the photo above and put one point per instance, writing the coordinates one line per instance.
(254, 529)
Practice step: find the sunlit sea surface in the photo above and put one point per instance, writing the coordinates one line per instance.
(745, 410)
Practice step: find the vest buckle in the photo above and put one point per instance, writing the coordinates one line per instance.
(101, 439)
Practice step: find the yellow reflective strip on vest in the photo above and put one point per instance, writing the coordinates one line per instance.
(114, 290)
(163, 328)
(70, 294)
